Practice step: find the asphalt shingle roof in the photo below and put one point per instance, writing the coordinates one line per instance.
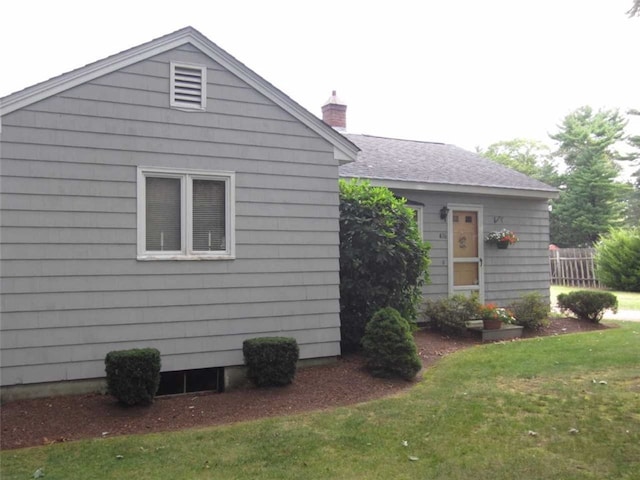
(393, 159)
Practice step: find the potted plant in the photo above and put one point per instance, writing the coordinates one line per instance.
(493, 316)
(502, 238)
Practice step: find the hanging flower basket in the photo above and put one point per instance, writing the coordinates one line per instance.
(502, 238)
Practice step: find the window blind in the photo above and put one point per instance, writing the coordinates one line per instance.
(163, 231)
(208, 218)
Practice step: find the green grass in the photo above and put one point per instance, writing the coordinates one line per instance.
(626, 300)
(469, 417)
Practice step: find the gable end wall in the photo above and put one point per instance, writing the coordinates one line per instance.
(72, 289)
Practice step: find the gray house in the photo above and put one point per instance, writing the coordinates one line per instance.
(168, 197)
(459, 197)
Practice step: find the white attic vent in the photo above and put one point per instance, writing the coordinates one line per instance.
(188, 86)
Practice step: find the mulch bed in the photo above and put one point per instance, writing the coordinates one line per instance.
(43, 421)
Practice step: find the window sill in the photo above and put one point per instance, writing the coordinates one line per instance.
(151, 257)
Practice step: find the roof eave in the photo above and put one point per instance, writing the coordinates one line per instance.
(345, 151)
(455, 188)
(92, 71)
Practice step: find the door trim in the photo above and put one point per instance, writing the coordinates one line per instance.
(480, 258)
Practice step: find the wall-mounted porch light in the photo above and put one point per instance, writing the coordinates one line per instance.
(444, 213)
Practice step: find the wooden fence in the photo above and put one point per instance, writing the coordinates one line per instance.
(574, 267)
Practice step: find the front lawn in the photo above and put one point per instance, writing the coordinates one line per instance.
(545, 408)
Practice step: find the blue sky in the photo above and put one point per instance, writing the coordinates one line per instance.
(468, 73)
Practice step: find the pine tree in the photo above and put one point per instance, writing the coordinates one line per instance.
(633, 207)
(591, 200)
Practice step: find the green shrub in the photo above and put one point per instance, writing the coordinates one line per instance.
(531, 311)
(450, 315)
(587, 304)
(271, 361)
(133, 375)
(389, 347)
(383, 260)
(618, 259)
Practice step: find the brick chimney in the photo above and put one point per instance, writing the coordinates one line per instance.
(334, 113)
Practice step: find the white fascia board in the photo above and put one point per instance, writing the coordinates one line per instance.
(341, 157)
(467, 189)
(345, 150)
(87, 73)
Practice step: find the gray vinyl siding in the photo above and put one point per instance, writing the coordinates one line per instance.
(72, 289)
(508, 274)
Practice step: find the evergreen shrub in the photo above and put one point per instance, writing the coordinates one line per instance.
(588, 304)
(531, 311)
(133, 376)
(618, 259)
(389, 347)
(271, 361)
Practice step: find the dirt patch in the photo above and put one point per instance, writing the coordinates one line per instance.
(42, 421)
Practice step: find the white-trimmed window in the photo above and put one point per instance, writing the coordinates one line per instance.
(188, 86)
(185, 214)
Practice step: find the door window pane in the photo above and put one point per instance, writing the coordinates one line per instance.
(465, 235)
(465, 274)
(163, 229)
(209, 232)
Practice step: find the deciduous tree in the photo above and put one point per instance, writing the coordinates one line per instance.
(530, 157)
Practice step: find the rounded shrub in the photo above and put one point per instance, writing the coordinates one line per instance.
(271, 361)
(133, 376)
(383, 260)
(531, 311)
(389, 347)
(451, 314)
(588, 304)
(618, 259)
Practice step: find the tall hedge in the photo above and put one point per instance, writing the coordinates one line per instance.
(383, 260)
(618, 259)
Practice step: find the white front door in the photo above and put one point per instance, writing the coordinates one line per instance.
(465, 250)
